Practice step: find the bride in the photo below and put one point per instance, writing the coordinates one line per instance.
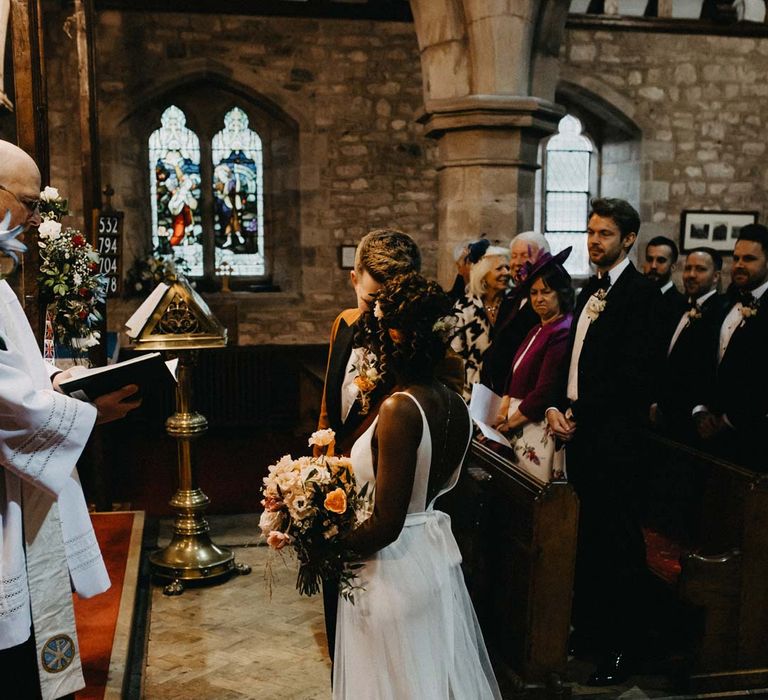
(411, 633)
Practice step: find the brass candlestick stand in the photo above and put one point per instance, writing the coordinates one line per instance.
(179, 321)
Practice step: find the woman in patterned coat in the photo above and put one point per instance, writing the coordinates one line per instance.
(478, 311)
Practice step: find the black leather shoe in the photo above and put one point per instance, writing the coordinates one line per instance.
(612, 670)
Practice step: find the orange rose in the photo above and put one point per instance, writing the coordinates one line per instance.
(364, 384)
(336, 501)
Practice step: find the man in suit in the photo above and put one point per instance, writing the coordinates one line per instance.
(614, 347)
(516, 316)
(689, 370)
(735, 422)
(660, 262)
(346, 408)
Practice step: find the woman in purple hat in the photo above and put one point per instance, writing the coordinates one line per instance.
(536, 368)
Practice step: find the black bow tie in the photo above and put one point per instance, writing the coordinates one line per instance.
(596, 283)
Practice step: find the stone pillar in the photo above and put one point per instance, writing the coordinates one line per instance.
(487, 162)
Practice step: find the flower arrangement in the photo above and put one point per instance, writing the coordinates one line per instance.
(70, 284)
(310, 503)
(148, 271)
(596, 305)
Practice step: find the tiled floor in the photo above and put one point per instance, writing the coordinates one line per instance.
(232, 641)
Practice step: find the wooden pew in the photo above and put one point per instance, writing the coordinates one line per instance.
(517, 536)
(724, 569)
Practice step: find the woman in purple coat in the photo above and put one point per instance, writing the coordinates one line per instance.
(532, 385)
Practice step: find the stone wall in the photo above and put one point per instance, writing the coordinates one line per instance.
(701, 105)
(351, 87)
(690, 134)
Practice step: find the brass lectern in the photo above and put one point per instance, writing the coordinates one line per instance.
(175, 319)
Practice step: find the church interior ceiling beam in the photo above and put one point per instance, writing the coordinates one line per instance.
(384, 10)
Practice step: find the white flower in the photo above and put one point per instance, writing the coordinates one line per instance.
(49, 230)
(315, 475)
(331, 532)
(377, 312)
(596, 305)
(77, 278)
(270, 521)
(288, 481)
(299, 506)
(322, 437)
(49, 194)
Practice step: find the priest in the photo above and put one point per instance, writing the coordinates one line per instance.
(47, 544)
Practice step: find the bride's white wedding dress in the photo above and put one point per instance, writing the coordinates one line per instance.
(411, 634)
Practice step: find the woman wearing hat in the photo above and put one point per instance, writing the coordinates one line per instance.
(536, 368)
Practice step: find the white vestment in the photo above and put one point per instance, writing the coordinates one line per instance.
(48, 546)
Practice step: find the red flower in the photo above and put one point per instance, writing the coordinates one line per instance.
(92, 266)
(84, 292)
(82, 314)
(78, 241)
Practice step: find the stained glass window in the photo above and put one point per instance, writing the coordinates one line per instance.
(174, 176)
(567, 179)
(238, 196)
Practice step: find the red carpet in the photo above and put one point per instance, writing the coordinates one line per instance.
(97, 617)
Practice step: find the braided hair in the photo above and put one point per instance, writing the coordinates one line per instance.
(406, 330)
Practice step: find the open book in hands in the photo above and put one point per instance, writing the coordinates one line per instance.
(144, 371)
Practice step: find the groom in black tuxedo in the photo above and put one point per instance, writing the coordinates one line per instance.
(736, 420)
(615, 347)
(689, 371)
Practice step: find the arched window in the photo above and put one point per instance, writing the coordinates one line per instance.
(174, 181)
(222, 192)
(238, 195)
(568, 168)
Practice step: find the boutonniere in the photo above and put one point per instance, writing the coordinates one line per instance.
(366, 380)
(749, 310)
(694, 314)
(596, 305)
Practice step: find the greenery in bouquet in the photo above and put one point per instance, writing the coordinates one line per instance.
(71, 286)
(148, 271)
(310, 504)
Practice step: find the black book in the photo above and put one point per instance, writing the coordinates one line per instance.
(143, 370)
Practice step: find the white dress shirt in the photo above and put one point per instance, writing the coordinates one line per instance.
(350, 390)
(667, 287)
(732, 321)
(582, 327)
(685, 319)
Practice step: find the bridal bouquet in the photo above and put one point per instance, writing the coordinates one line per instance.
(310, 503)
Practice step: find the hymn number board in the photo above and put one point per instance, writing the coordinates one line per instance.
(109, 235)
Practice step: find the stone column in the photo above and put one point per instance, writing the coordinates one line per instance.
(487, 162)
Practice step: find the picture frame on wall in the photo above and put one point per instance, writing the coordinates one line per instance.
(347, 257)
(714, 229)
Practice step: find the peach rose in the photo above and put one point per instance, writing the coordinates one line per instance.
(277, 540)
(336, 501)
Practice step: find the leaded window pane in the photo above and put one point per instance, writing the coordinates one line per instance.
(568, 171)
(238, 196)
(174, 177)
(567, 211)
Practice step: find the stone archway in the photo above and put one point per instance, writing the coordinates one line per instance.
(490, 68)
